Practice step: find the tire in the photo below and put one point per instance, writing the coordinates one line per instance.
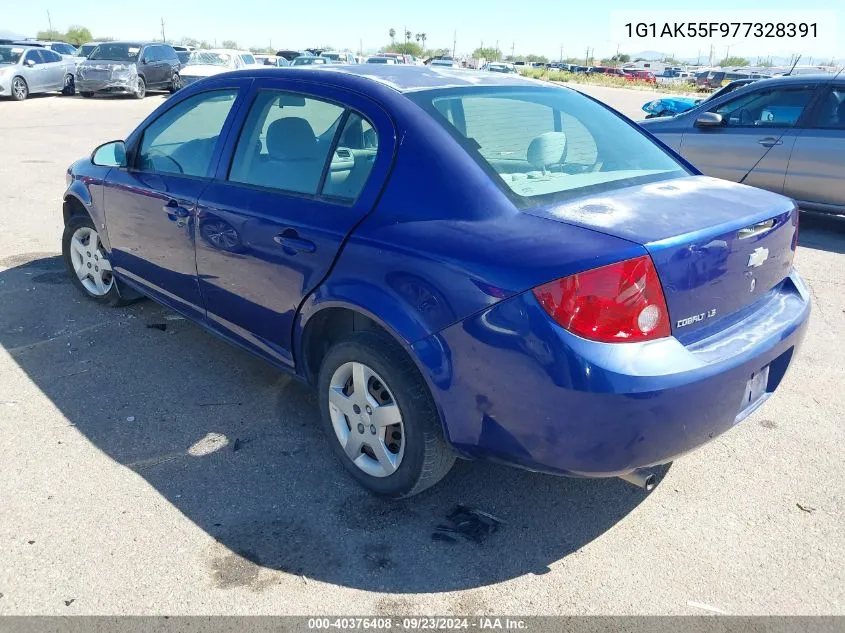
(175, 83)
(20, 90)
(70, 86)
(78, 226)
(424, 457)
(140, 89)
(87, 95)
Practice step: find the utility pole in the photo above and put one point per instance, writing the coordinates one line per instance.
(498, 54)
(454, 43)
(162, 31)
(361, 47)
(728, 52)
(513, 48)
(587, 57)
(49, 20)
(710, 62)
(561, 53)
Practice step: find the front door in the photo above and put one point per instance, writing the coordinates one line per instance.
(150, 206)
(36, 76)
(754, 143)
(306, 167)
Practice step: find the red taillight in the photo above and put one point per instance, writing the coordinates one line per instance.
(619, 303)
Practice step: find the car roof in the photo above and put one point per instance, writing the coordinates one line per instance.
(402, 78)
(802, 79)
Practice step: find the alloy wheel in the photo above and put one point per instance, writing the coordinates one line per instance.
(366, 419)
(19, 89)
(90, 263)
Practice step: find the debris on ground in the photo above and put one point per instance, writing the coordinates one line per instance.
(70, 602)
(157, 326)
(470, 523)
(130, 418)
(31, 542)
(706, 607)
(807, 509)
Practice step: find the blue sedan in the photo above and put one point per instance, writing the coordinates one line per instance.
(462, 264)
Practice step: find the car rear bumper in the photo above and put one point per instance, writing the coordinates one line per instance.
(513, 386)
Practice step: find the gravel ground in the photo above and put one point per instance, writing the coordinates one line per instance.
(148, 472)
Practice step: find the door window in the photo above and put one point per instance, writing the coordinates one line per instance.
(830, 111)
(353, 159)
(774, 107)
(285, 142)
(182, 140)
(50, 56)
(151, 54)
(33, 55)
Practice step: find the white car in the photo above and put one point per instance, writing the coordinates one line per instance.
(205, 63)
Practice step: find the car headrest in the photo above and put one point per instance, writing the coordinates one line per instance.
(291, 138)
(547, 149)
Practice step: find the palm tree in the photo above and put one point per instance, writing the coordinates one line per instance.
(417, 36)
(422, 37)
(407, 36)
(392, 34)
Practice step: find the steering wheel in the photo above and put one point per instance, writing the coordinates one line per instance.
(155, 155)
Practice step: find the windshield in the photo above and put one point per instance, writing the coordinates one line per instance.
(10, 54)
(207, 58)
(116, 52)
(63, 49)
(546, 145)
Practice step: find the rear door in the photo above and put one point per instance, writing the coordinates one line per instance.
(755, 141)
(154, 66)
(815, 173)
(150, 206)
(54, 69)
(307, 166)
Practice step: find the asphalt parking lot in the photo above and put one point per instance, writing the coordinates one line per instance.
(150, 471)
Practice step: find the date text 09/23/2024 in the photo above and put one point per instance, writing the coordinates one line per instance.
(418, 623)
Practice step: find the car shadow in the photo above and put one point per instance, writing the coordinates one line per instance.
(821, 231)
(235, 446)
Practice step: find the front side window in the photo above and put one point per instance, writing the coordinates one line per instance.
(285, 142)
(50, 56)
(773, 107)
(34, 56)
(182, 140)
(545, 145)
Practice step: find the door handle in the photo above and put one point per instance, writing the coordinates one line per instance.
(770, 141)
(292, 244)
(176, 213)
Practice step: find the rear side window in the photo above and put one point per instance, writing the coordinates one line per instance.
(548, 144)
(182, 140)
(285, 142)
(830, 111)
(168, 53)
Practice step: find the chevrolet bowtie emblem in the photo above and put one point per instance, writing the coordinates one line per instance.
(757, 257)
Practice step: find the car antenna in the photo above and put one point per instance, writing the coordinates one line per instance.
(797, 59)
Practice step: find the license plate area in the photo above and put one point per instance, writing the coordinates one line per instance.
(755, 388)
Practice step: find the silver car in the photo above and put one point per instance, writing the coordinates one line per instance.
(26, 70)
(785, 134)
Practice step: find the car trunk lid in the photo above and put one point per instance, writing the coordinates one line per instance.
(717, 246)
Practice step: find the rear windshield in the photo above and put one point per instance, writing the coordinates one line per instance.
(116, 52)
(545, 145)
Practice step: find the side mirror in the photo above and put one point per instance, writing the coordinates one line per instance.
(29, 63)
(709, 119)
(112, 154)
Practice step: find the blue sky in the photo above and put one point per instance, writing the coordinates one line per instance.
(539, 26)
